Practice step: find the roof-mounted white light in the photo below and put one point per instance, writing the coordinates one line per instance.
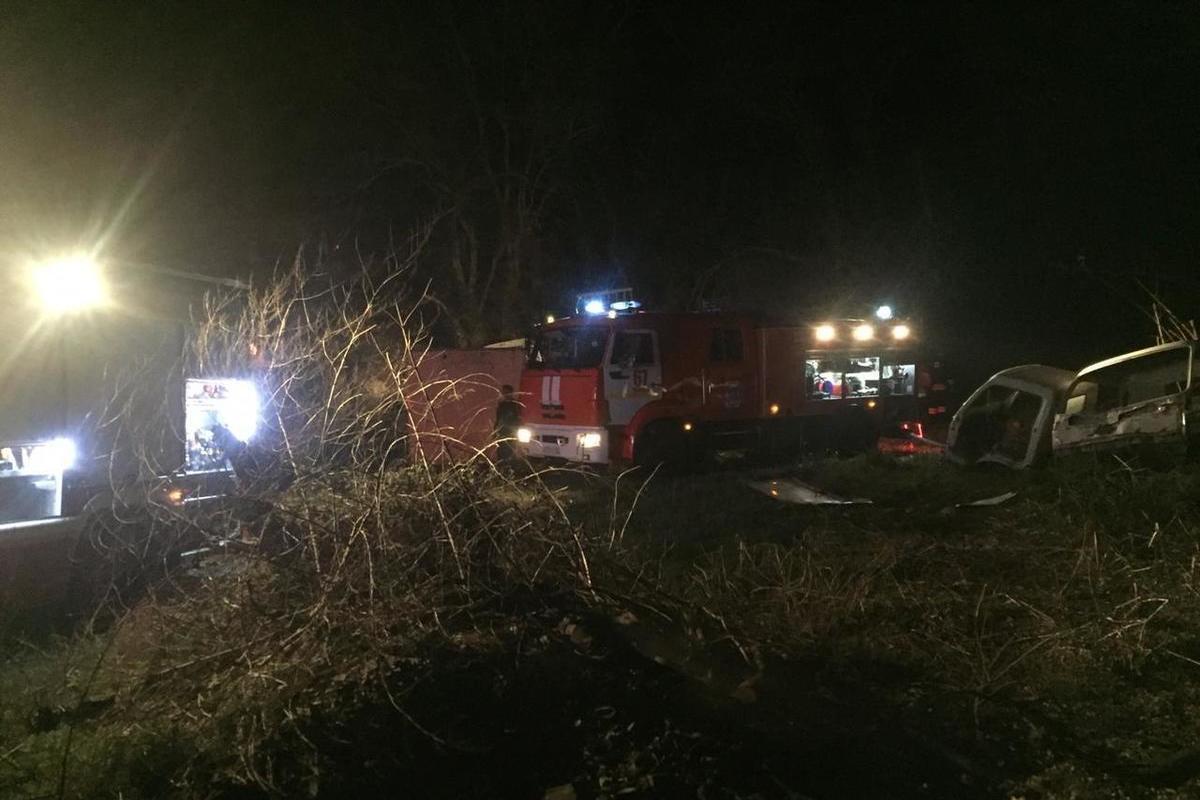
(594, 307)
(884, 312)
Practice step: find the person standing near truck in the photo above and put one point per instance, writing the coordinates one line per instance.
(508, 417)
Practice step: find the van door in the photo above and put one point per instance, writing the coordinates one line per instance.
(1139, 400)
(632, 373)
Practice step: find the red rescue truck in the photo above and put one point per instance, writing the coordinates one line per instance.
(617, 384)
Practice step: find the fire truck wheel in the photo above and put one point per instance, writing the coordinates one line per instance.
(780, 443)
(660, 443)
(116, 558)
(855, 432)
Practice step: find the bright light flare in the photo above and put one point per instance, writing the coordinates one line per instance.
(825, 333)
(901, 332)
(524, 435)
(594, 307)
(884, 312)
(863, 333)
(774, 408)
(52, 457)
(69, 284)
(549, 319)
(239, 412)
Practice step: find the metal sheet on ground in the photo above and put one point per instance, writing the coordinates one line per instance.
(790, 490)
(989, 501)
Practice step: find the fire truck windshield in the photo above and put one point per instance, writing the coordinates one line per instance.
(568, 348)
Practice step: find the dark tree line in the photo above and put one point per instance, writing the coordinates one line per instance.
(804, 157)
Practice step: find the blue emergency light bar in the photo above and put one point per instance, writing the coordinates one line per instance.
(596, 303)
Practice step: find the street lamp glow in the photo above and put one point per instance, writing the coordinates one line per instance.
(825, 333)
(69, 284)
(884, 312)
(863, 333)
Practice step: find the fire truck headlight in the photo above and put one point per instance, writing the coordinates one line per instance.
(52, 457)
(900, 332)
(863, 333)
(825, 333)
(524, 435)
(589, 441)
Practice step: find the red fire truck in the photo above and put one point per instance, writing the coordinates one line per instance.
(618, 384)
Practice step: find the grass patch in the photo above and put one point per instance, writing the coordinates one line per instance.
(729, 642)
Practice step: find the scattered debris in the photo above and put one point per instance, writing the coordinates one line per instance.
(790, 490)
(988, 501)
(564, 792)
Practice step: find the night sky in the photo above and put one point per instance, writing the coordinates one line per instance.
(1001, 171)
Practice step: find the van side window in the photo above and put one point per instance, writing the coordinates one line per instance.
(1136, 380)
(726, 345)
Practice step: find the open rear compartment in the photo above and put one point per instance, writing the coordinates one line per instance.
(219, 414)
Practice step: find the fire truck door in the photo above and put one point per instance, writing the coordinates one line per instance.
(632, 374)
(729, 383)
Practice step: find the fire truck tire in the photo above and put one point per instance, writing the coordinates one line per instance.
(661, 443)
(855, 432)
(115, 559)
(781, 442)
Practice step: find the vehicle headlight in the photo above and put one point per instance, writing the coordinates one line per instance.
(589, 441)
(524, 435)
(51, 457)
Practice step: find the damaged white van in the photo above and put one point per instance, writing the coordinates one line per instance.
(1008, 419)
(1140, 398)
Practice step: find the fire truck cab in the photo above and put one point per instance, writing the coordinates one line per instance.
(625, 385)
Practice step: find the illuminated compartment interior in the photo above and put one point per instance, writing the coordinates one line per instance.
(31, 479)
(219, 414)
